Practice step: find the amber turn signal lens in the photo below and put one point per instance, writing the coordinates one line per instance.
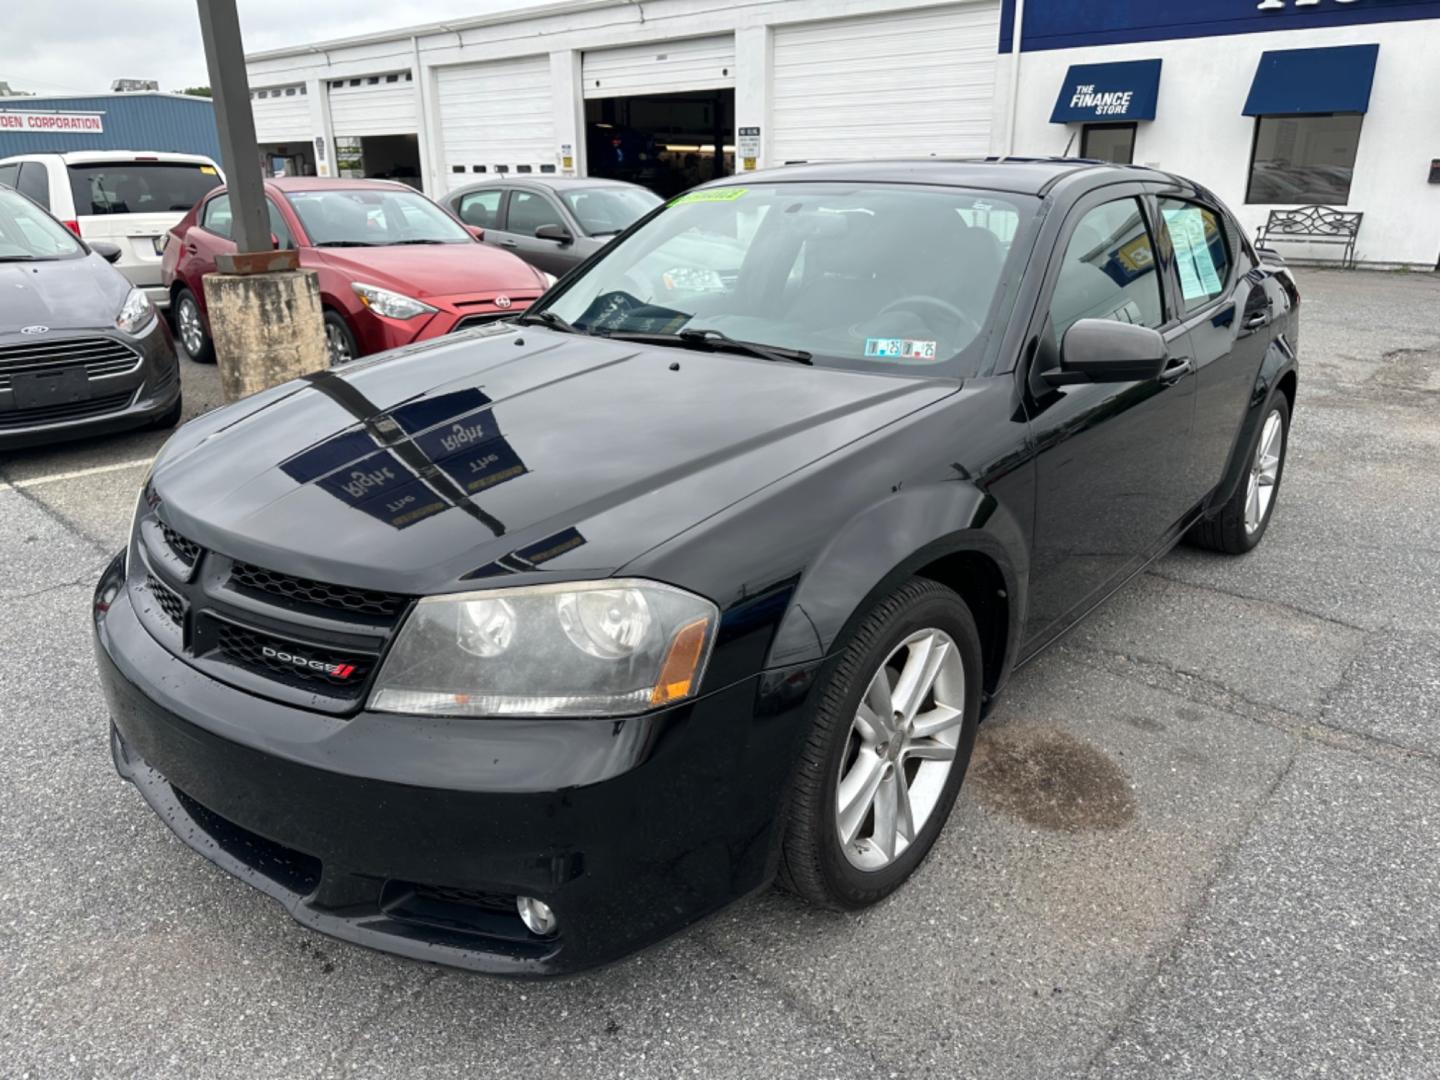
(677, 674)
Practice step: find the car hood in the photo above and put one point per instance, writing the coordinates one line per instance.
(431, 270)
(64, 294)
(449, 466)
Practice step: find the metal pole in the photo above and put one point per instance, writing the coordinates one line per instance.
(239, 152)
(1017, 45)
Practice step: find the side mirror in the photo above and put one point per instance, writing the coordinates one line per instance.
(1106, 351)
(558, 233)
(106, 250)
(476, 231)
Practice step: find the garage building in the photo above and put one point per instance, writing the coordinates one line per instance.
(1240, 94)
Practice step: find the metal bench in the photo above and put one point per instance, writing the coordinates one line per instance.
(1313, 225)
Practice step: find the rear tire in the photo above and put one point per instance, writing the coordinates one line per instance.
(339, 341)
(853, 748)
(190, 329)
(1241, 523)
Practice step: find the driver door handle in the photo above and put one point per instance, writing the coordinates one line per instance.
(509, 243)
(1257, 320)
(1176, 369)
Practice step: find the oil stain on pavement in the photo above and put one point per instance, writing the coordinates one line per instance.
(1051, 780)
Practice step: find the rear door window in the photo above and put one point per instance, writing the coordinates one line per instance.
(35, 183)
(217, 216)
(1202, 257)
(140, 187)
(481, 208)
(9, 174)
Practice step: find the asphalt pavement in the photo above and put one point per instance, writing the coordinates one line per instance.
(1199, 837)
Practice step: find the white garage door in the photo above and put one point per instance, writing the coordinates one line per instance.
(910, 83)
(660, 67)
(496, 117)
(282, 114)
(374, 105)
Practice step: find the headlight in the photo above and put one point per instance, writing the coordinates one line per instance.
(603, 648)
(392, 305)
(136, 314)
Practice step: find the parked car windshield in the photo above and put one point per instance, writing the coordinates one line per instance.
(865, 276)
(361, 217)
(604, 211)
(28, 233)
(140, 187)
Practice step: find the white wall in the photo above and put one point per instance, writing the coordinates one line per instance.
(1199, 131)
(565, 35)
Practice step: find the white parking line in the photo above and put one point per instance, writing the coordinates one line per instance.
(55, 478)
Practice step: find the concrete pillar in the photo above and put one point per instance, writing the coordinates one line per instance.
(267, 329)
(752, 89)
(569, 108)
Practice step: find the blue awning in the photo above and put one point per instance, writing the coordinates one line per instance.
(1298, 81)
(1126, 90)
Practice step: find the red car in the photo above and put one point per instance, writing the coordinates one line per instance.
(394, 267)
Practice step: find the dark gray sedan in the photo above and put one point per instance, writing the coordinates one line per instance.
(554, 223)
(81, 350)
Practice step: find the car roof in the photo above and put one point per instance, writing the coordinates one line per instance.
(81, 157)
(546, 180)
(325, 183)
(1021, 176)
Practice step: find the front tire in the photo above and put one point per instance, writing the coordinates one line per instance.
(1241, 523)
(339, 341)
(888, 751)
(190, 329)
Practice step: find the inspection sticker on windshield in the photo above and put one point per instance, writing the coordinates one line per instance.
(899, 349)
(727, 194)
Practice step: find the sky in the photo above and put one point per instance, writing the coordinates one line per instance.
(81, 46)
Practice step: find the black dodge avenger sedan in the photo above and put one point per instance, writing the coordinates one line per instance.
(525, 648)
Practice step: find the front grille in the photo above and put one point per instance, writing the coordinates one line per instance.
(101, 357)
(187, 551)
(469, 322)
(58, 414)
(166, 598)
(277, 658)
(316, 594)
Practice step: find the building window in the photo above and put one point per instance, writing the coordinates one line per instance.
(1304, 159)
(290, 91)
(477, 168)
(392, 78)
(457, 168)
(1109, 142)
(547, 168)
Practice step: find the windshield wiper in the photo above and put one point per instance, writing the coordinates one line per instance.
(346, 243)
(716, 340)
(19, 258)
(398, 243)
(550, 319)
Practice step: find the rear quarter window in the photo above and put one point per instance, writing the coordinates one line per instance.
(140, 187)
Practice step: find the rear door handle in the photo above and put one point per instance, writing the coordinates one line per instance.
(1176, 369)
(509, 243)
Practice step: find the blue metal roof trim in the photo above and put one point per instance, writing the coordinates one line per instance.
(1293, 82)
(1123, 90)
(144, 121)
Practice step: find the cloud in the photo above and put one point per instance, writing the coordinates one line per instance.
(80, 46)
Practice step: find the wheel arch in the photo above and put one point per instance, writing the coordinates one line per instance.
(956, 535)
(1278, 375)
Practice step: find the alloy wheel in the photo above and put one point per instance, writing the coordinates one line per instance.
(339, 348)
(900, 750)
(192, 334)
(1264, 472)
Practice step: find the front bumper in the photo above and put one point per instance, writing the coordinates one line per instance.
(415, 835)
(118, 402)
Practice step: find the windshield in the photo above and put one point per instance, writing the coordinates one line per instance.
(140, 187)
(27, 232)
(866, 276)
(604, 211)
(368, 217)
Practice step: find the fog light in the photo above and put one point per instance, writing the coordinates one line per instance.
(536, 915)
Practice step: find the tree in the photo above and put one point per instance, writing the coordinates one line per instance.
(197, 91)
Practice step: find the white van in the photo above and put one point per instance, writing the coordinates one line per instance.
(129, 197)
